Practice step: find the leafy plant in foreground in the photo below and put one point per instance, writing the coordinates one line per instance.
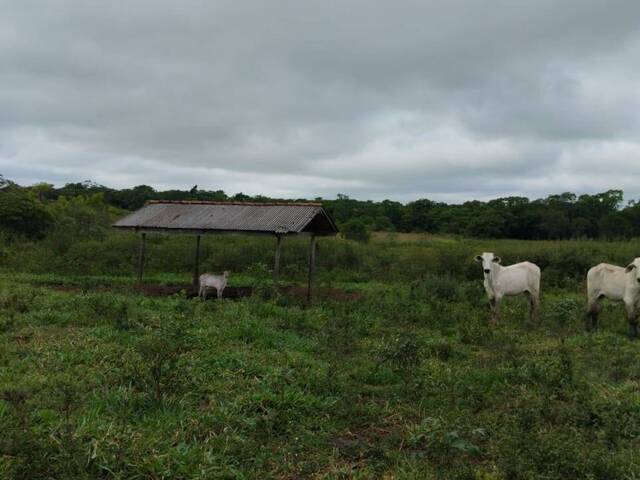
(404, 353)
(440, 442)
(159, 352)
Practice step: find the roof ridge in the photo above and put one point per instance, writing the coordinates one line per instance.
(256, 204)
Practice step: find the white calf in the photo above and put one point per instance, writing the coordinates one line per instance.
(515, 279)
(618, 284)
(208, 281)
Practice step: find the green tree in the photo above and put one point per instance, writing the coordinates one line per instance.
(419, 216)
(84, 216)
(555, 224)
(383, 224)
(43, 190)
(355, 229)
(22, 214)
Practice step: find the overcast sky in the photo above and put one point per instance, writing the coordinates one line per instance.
(449, 100)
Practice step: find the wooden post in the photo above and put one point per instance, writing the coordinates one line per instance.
(143, 238)
(312, 264)
(196, 264)
(276, 261)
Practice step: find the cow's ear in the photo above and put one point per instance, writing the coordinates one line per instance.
(630, 267)
(478, 258)
(497, 259)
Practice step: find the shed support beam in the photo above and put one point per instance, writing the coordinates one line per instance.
(276, 261)
(141, 248)
(196, 264)
(312, 265)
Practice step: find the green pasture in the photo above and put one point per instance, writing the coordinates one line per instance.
(409, 380)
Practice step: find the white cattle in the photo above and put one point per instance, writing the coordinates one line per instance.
(515, 279)
(617, 284)
(208, 281)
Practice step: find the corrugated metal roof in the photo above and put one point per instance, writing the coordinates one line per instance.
(191, 216)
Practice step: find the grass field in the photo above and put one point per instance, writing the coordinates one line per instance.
(402, 377)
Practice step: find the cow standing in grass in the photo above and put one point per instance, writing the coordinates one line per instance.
(508, 281)
(617, 284)
(209, 281)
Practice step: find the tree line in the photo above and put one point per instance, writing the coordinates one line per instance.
(31, 210)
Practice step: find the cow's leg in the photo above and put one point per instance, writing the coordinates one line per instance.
(498, 302)
(593, 310)
(219, 292)
(494, 303)
(492, 308)
(534, 304)
(632, 316)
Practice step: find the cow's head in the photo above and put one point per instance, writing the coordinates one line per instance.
(487, 259)
(226, 273)
(634, 269)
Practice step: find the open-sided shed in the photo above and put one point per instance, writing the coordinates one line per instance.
(206, 218)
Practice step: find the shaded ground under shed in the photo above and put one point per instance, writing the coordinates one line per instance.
(190, 291)
(233, 293)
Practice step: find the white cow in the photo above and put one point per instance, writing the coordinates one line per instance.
(208, 281)
(618, 284)
(515, 279)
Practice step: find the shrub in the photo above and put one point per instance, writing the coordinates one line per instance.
(562, 312)
(355, 229)
(22, 214)
(404, 353)
(159, 352)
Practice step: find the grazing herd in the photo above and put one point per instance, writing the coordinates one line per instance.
(604, 281)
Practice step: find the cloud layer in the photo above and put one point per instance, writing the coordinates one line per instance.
(447, 100)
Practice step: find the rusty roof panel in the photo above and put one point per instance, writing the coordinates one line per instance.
(219, 216)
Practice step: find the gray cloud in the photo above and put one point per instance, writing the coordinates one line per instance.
(447, 100)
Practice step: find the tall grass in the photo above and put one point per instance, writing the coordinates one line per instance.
(390, 258)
